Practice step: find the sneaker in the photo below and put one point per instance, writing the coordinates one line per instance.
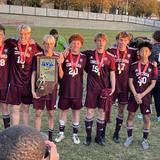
(128, 141)
(76, 139)
(88, 141)
(145, 144)
(116, 138)
(158, 119)
(59, 137)
(99, 141)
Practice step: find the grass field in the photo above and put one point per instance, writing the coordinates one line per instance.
(112, 151)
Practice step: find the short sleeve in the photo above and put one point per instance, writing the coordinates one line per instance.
(112, 64)
(155, 73)
(34, 64)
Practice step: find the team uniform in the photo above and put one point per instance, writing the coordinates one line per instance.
(98, 68)
(71, 85)
(48, 100)
(4, 71)
(141, 83)
(97, 80)
(123, 61)
(19, 89)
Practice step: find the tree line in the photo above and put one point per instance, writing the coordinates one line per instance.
(138, 8)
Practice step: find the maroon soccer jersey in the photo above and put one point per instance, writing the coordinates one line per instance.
(123, 61)
(4, 67)
(141, 80)
(71, 85)
(98, 80)
(20, 73)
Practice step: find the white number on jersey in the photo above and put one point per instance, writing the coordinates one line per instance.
(142, 81)
(2, 62)
(18, 59)
(122, 66)
(95, 68)
(73, 72)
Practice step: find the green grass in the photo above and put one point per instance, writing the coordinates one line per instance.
(112, 151)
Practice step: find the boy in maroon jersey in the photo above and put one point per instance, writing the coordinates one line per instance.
(71, 87)
(124, 57)
(48, 100)
(22, 53)
(101, 76)
(142, 80)
(4, 70)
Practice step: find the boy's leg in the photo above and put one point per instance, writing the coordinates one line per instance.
(130, 121)
(5, 115)
(88, 125)
(76, 120)
(38, 118)
(146, 128)
(50, 124)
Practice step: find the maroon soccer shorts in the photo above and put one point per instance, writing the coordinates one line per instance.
(48, 101)
(3, 93)
(122, 98)
(92, 99)
(144, 107)
(19, 94)
(73, 103)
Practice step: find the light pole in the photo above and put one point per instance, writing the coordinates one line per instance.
(127, 7)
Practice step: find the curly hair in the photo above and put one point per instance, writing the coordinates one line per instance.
(156, 36)
(21, 143)
(77, 37)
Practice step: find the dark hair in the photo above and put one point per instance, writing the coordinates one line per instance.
(156, 36)
(76, 37)
(21, 143)
(145, 44)
(2, 28)
(53, 32)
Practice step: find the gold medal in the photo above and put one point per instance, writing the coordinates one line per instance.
(119, 72)
(22, 65)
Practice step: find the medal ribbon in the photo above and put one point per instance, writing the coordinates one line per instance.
(23, 54)
(100, 63)
(144, 70)
(74, 64)
(1, 49)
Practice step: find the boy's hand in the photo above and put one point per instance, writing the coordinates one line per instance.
(154, 63)
(35, 95)
(53, 151)
(60, 60)
(66, 52)
(138, 98)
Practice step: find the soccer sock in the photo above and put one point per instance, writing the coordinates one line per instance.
(88, 126)
(61, 126)
(75, 128)
(6, 121)
(145, 133)
(129, 131)
(104, 130)
(50, 134)
(100, 128)
(119, 121)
